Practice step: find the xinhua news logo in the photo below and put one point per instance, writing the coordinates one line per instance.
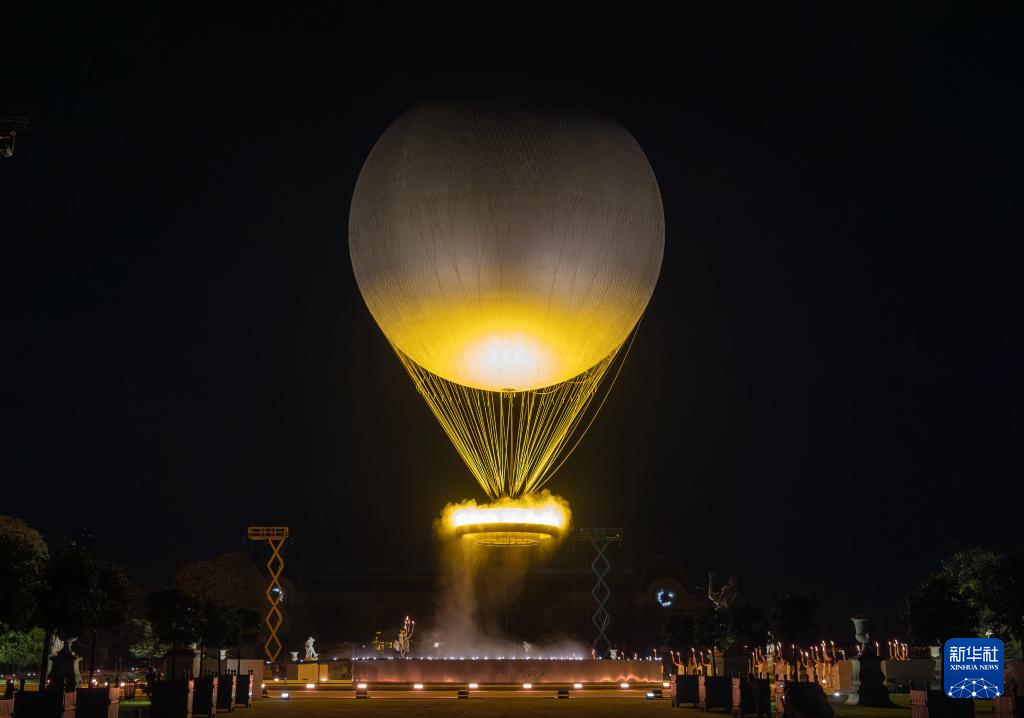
(974, 668)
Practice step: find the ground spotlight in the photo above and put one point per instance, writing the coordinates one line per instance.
(577, 686)
(417, 686)
(474, 686)
(623, 685)
(527, 686)
(310, 686)
(285, 696)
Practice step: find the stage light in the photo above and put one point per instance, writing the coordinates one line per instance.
(665, 598)
(527, 686)
(577, 686)
(417, 686)
(474, 686)
(361, 686)
(623, 685)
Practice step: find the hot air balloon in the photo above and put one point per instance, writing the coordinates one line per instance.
(507, 252)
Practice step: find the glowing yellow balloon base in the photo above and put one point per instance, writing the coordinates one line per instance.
(528, 521)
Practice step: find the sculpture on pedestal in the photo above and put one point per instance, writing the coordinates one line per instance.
(867, 682)
(311, 654)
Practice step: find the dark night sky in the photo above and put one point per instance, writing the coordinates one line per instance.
(834, 348)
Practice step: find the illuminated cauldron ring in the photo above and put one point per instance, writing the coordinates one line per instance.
(500, 534)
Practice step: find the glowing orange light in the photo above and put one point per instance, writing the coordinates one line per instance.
(526, 521)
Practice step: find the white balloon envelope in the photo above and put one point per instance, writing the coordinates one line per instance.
(506, 251)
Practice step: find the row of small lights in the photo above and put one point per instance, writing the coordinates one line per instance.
(472, 686)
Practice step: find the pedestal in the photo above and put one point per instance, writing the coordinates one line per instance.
(171, 699)
(97, 702)
(226, 688)
(306, 672)
(204, 702)
(936, 655)
(867, 683)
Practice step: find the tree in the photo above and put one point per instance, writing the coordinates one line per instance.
(142, 640)
(677, 632)
(794, 619)
(19, 648)
(974, 574)
(748, 623)
(80, 594)
(23, 556)
(216, 627)
(1006, 602)
(713, 628)
(230, 580)
(175, 617)
(936, 611)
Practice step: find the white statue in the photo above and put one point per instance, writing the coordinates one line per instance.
(311, 655)
(295, 656)
(57, 645)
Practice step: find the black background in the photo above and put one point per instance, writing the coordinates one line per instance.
(825, 392)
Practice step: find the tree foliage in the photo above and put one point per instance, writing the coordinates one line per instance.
(975, 592)
(794, 619)
(713, 628)
(677, 631)
(936, 611)
(230, 580)
(81, 593)
(20, 648)
(23, 556)
(174, 615)
(142, 639)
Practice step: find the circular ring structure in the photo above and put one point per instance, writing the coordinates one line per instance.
(505, 524)
(503, 534)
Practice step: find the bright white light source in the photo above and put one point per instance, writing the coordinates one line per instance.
(285, 696)
(836, 694)
(623, 685)
(666, 684)
(577, 686)
(310, 686)
(361, 686)
(417, 686)
(474, 686)
(527, 686)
